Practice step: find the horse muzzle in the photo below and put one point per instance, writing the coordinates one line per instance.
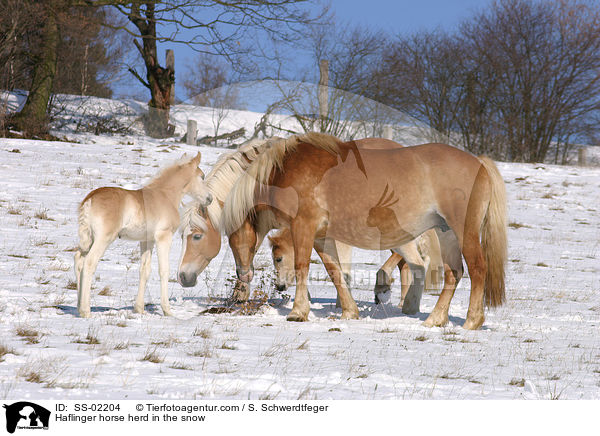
(187, 280)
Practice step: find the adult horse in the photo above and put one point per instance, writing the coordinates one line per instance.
(324, 190)
(202, 242)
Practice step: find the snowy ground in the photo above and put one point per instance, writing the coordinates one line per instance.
(544, 343)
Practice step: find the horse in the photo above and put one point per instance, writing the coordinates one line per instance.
(149, 215)
(201, 240)
(200, 225)
(326, 190)
(428, 245)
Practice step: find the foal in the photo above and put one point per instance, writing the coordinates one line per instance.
(148, 215)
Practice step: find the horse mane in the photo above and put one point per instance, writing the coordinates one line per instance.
(168, 171)
(240, 201)
(223, 175)
(192, 219)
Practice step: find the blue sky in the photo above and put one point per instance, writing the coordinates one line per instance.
(399, 16)
(393, 16)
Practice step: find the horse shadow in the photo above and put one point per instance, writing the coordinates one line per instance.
(327, 310)
(72, 310)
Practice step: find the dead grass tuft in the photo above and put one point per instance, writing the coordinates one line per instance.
(203, 333)
(4, 350)
(42, 214)
(106, 292)
(152, 355)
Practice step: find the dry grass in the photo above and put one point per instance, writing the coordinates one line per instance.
(15, 210)
(31, 335)
(71, 285)
(203, 333)
(4, 350)
(90, 339)
(152, 355)
(106, 292)
(515, 225)
(181, 365)
(42, 214)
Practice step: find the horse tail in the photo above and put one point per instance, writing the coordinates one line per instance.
(493, 237)
(86, 237)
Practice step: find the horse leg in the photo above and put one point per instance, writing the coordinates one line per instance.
(78, 263)
(145, 267)
(327, 251)
(453, 271)
(88, 269)
(163, 248)
(412, 299)
(241, 290)
(344, 254)
(383, 278)
(303, 236)
(406, 278)
(476, 264)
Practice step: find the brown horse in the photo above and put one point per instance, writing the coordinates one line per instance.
(148, 215)
(326, 190)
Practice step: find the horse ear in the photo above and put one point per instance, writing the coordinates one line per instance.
(198, 158)
(271, 240)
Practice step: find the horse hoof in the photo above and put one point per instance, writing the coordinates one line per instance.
(350, 315)
(472, 325)
(430, 322)
(294, 317)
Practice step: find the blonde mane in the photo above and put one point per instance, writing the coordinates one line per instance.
(169, 170)
(240, 201)
(223, 175)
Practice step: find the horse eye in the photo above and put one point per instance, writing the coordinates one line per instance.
(197, 237)
(278, 259)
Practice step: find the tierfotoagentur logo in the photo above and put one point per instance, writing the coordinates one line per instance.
(25, 415)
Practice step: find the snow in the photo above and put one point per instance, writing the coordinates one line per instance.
(543, 343)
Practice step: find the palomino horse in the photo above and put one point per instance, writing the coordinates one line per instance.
(282, 253)
(200, 226)
(149, 215)
(326, 190)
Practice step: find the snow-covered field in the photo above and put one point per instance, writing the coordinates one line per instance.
(544, 343)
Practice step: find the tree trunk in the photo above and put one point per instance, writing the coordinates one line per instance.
(159, 80)
(33, 118)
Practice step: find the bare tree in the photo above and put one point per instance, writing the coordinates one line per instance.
(517, 81)
(216, 27)
(422, 75)
(210, 82)
(353, 54)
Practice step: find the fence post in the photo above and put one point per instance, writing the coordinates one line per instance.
(388, 132)
(192, 132)
(323, 90)
(582, 156)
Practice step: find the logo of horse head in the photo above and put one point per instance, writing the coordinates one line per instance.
(26, 415)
